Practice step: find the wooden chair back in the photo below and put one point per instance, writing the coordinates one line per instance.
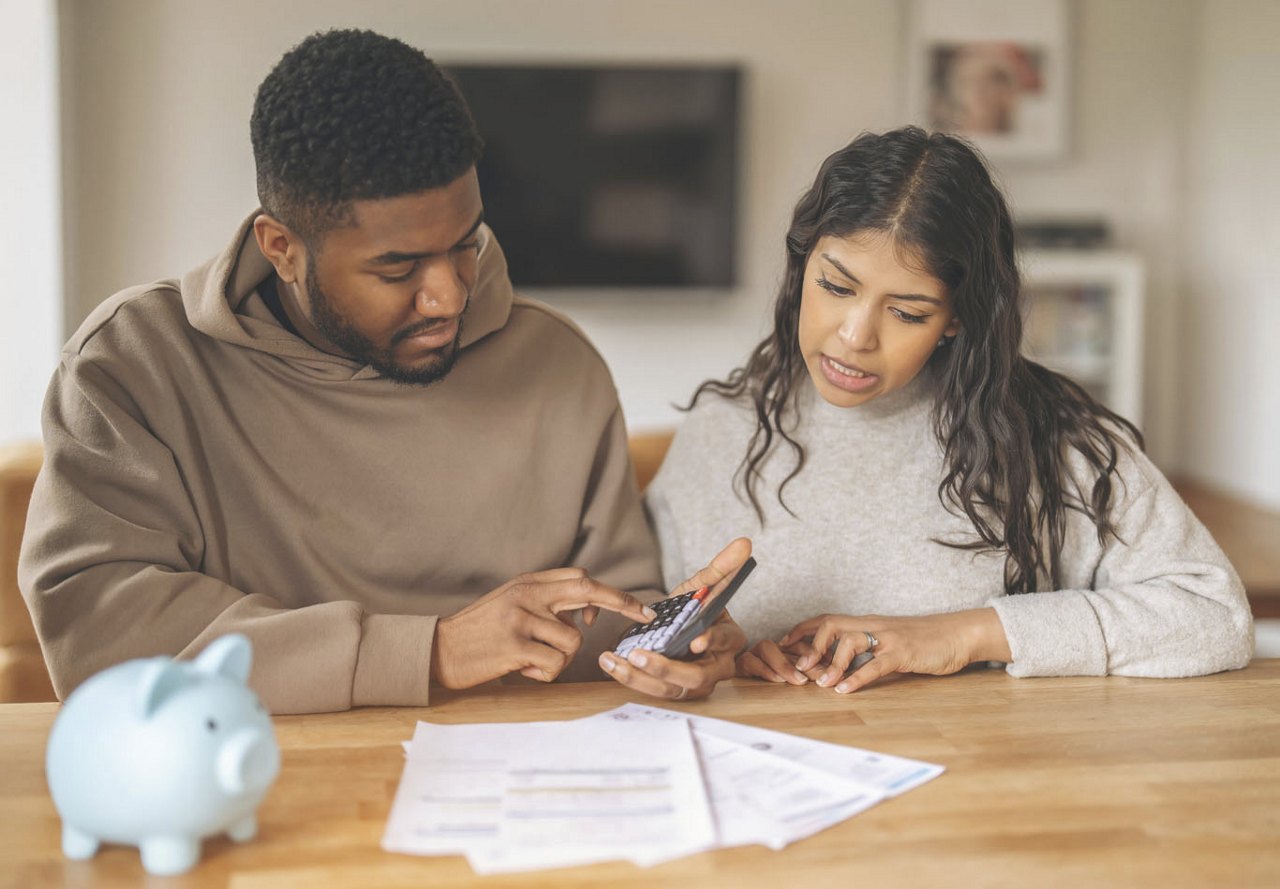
(23, 675)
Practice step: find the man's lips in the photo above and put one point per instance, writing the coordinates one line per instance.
(433, 336)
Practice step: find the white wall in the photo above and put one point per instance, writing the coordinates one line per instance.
(159, 93)
(1231, 348)
(1127, 166)
(30, 255)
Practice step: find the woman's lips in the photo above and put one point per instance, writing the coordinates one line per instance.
(847, 377)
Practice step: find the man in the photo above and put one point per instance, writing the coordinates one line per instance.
(344, 435)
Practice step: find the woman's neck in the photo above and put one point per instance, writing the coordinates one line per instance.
(901, 406)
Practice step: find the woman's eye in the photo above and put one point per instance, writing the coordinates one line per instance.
(908, 317)
(473, 244)
(833, 288)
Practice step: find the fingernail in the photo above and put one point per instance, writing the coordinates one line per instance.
(637, 658)
(649, 612)
(804, 663)
(842, 688)
(825, 679)
(801, 679)
(607, 662)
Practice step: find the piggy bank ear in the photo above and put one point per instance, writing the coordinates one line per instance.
(228, 656)
(160, 678)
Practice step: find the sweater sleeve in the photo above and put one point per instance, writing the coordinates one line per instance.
(1164, 601)
(111, 570)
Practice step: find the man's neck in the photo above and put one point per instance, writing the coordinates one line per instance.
(282, 300)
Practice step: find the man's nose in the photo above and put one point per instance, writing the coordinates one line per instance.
(443, 292)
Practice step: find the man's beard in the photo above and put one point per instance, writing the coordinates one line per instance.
(339, 331)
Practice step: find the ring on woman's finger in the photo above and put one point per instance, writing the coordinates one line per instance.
(872, 641)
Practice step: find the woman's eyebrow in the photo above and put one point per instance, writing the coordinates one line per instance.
(910, 297)
(915, 297)
(844, 271)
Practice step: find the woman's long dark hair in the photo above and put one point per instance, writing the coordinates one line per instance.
(1005, 423)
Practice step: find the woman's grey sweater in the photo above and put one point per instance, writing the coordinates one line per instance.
(1161, 601)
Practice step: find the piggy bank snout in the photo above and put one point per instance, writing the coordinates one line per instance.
(248, 761)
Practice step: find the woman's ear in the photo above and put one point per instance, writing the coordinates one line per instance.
(952, 328)
(282, 248)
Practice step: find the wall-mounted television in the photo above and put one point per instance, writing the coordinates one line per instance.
(609, 177)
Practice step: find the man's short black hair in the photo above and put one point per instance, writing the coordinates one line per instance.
(352, 115)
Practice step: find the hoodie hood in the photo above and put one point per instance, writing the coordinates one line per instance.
(217, 297)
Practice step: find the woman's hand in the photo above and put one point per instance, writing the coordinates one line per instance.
(717, 648)
(934, 643)
(770, 661)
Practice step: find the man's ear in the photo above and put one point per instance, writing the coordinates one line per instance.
(282, 248)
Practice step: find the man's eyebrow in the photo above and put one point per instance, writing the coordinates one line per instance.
(909, 297)
(395, 257)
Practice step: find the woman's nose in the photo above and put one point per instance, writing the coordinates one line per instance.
(858, 330)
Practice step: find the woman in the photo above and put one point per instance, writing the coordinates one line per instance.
(916, 489)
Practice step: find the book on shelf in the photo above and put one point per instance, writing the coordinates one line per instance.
(1069, 329)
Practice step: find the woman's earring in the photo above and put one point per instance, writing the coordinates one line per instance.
(944, 341)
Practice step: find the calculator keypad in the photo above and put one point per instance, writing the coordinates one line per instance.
(672, 614)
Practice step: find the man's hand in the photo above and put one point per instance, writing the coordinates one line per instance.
(525, 625)
(717, 648)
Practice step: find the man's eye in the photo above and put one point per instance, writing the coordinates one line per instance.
(396, 279)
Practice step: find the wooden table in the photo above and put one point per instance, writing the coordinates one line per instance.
(1050, 782)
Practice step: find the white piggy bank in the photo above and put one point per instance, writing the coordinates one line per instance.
(159, 754)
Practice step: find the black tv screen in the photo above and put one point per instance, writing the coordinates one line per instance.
(609, 176)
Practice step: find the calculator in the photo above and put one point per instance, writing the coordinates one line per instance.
(681, 619)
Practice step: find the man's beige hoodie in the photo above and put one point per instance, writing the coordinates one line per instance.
(207, 472)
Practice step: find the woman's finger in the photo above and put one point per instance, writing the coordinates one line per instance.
(700, 673)
(722, 636)
(750, 665)
(803, 629)
(877, 667)
(725, 563)
(633, 677)
(846, 650)
(778, 661)
(828, 634)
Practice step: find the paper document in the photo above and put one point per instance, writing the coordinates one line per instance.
(758, 798)
(514, 796)
(890, 774)
(639, 783)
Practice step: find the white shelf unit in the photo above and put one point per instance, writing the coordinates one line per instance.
(1084, 320)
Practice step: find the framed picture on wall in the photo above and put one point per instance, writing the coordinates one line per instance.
(993, 71)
